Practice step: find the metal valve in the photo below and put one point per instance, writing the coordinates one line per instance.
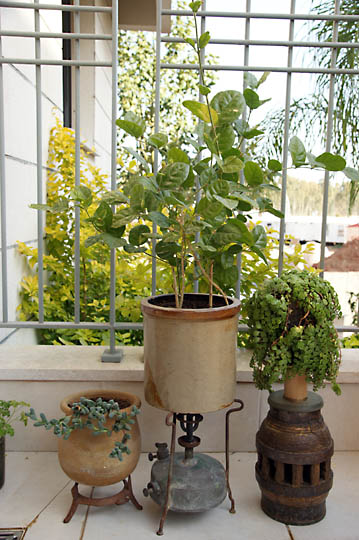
(162, 452)
(152, 487)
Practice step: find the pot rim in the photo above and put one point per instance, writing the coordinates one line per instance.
(106, 394)
(201, 314)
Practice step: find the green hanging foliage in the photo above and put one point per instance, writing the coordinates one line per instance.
(292, 332)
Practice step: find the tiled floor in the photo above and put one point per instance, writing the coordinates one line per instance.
(36, 496)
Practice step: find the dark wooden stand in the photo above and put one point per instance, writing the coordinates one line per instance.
(294, 460)
(124, 496)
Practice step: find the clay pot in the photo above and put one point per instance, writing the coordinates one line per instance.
(84, 457)
(295, 388)
(190, 353)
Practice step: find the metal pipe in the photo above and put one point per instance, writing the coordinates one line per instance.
(54, 7)
(156, 128)
(3, 197)
(48, 62)
(328, 143)
(66, 70)
(243, 145)
(274, 69)
(286, 144)
(116, 355)
(40, 216)
(55, 35)
(77, 168)
(263, 43)
(257, 15)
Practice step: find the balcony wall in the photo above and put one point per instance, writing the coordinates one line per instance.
(43, 375)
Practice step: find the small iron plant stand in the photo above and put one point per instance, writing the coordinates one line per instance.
(124, 496)
(294, 456)
(190, 482)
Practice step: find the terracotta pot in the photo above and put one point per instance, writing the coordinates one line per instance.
(190, 353)
(84, 457)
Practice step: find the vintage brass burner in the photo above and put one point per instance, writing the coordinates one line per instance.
(188, 482)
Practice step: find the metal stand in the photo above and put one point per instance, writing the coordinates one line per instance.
(124, 496)
(170, 469)
(232, 509)
(189, 423)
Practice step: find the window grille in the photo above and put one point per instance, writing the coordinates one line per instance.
(248, 16)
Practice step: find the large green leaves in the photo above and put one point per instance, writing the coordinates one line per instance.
(229, 106)
(132, 124)
(297, 152)
(331, 162)
(201, 111)
(173, 175)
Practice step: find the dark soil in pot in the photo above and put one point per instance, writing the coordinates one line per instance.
(191, 301)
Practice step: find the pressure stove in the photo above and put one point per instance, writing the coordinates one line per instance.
(188, 482)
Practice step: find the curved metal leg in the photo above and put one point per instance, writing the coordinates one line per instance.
(232, 509)
(170, 469)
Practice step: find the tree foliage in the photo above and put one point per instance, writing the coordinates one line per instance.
(137, 76)
(310, 113)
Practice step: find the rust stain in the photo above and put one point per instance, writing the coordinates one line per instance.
(151, 391)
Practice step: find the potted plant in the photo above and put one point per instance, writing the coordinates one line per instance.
(291, 321)
(99, 442)
(10, 411)
(194, 215)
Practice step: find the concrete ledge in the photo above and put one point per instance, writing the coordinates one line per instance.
(78, 363)
(43, 375)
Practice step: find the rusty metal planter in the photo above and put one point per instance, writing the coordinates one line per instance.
(294, 460)
(190, 353)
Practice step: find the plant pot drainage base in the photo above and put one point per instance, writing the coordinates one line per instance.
(124, 496)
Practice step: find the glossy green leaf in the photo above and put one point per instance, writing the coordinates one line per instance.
(204, 90)
(227, 259)
(274, 165)
(160, 219)
(167, 250)
(208, 209)
(194, 6)
(331, 162)
(259, 236)
(204, 39)
(136, 197)
(158, 140)
(231, 204)
(229, 105)
(114, 197)
(351, 173)
(82, 194)
(253, 173)
(201, 111)
(252, 99)
(190, 41)
(173, 175)
(225, 138)
(138, 235)
(132, 124)
(297, 152)
(112, 241)
(175, 154)
(250, 80)
(232, 164)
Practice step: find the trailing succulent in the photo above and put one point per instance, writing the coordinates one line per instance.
(292, 332)
(92, 414)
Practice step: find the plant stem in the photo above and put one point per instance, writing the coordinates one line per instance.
(207, 276)
(175, 287)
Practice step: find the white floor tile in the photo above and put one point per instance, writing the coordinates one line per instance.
(37, 493)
